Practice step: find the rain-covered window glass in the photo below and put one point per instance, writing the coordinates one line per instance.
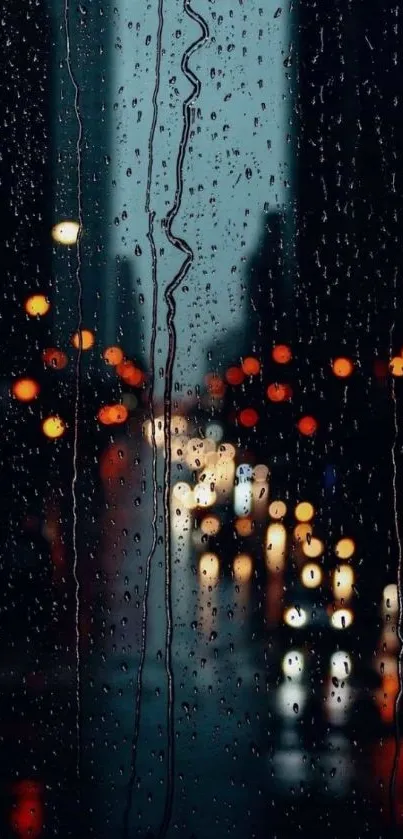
(200, 458)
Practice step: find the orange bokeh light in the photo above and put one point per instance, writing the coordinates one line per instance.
(279, 392)
(37, 305)
(87, 339)
(25, 389)
(55, 358)
(235, 375)
(342, 367)
(250, 366)
(248, 417)
(282, 354)
(396, 366)
(113, 356)
(113, 414)
(307, 426)
(53, 427)
(244, 526)
(215, 385)
(130, 374)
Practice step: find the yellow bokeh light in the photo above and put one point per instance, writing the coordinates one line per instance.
(342, 367)
(244, 526)
(313, 547)
(311, 575)
(343, 581)
(342, 618)
(37, 305)
(277, 509)
(396, 366)
(210, 525)
(295, 617)
(65, 232)
(209, 568)
(304, 511)
(243, 568)
(113, 356)
(25, 389)
(87, 339)
(390, 598)
(53, 427)
(276, 541)
(344, 548)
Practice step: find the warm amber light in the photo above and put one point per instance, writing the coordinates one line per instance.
(302, 531)
(234, 375)
(210, 525)
(304, 511)
(87, 339)
(215, 385)
(248, 417)
(250, 366)
(130, 374)
(313, 547)
(243, 567)
(66, 232)
(342, 618)
(307, 426)
(281, 354)
(244, 526)
(396, 366)
(311, 575)
(343, 582)
(276, 545)
(277, 509)
(25, 389)
(209, 568)
(55, 358)
(113, 356)
(53, 427)
(37, 305)
(342, 367)
(295, 617)
(344, 548)
(113, 414)
(278, 392)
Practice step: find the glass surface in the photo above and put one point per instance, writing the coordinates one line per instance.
(202, 330)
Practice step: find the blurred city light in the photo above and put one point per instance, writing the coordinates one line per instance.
(390, 599)
(343, 582)
(396, 366)
(342, 618)
(344, 548)
(25, 389)
(281, 354)
(53, 427)
(235, 375)
(277, 509)
(210, 525)
(243, 568)
(37, 305)
(293, 665)
(295, 617)
(251, 366)
(311, 575)
(304, 511)
(209, 568)
(340, 665)
(342, 367)
(248, 417)
(276, 542)
(113, 356)
(84, 338)
(302, 532)
(244, 526)
(65, 232)
(113, 414)
(313, 547)
(52, 357)
(277, 392)
(307, 426)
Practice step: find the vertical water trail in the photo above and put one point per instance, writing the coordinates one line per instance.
(150, 236)
(77, 372)
(399, 627)
(183, 246)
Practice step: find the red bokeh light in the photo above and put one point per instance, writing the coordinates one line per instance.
(282, 354)
(250, 366)
(279, 392)
(248, 417)
(235, 375)
(307, 426)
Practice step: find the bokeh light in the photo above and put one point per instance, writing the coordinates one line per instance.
(65, 232)
(340, 665)
(304, 511)
(307, 426)
(235, 375)
(209, 568)
(302, 532)
(295, 617)
(277, 509)
(342, 618)
(276, 542)
(113, 356)
(87, 339)
(242, 568)
(278, 392)
(244, 526)
(282, 354)
(248, 417)
(53, 427)
(342, 367)
(396, 366)
(293, 665)
(391, 598)
(343, 582)
(311, 575)
(25, 389)
(313, 547)
(54, 358)
(251, 366)
(37, 305)
(210, 525)
(130, 374)
(344, 548)
(113, 414)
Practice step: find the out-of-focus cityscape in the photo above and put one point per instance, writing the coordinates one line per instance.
(200, 600)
